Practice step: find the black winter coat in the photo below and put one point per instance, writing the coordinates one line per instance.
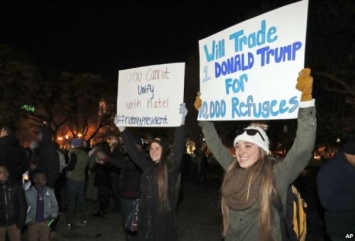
(155, 225)
(46, 157)
(12, 204)
(13, 157)
(130, 174)
(102, 172)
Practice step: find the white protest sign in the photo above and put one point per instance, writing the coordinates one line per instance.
(150, 96)
(249, 71)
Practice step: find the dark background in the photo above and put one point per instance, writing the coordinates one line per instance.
(102, 37)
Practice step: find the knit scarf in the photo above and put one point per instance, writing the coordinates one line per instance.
(235, 189)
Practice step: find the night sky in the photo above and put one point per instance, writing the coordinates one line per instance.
(102, 37)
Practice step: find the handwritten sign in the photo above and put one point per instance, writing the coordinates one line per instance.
(249, 71)
(151, 95)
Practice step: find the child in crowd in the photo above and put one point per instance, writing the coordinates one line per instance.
(12, 207)
(42, 207)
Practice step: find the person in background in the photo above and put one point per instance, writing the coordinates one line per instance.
(91, 190)
(115, 176)
(33, 146)
(60, 182)
(184, 177)
(336, 189)
(75, 173)
(157, 216)
(12, 207)
(42, 208)
(46, 157)
(59, 187)
(102, 178)
(202, 167)
(254, 185)
(12, 155)
(26, 177)
(130, 179)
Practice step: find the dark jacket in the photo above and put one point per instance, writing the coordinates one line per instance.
(46, 157)
(13, 157)
(157, 225)
(102, 172)
(336, 189)
(130, 174)
(12, 204)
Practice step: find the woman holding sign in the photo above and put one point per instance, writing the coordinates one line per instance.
(157, 218)
(253, 184)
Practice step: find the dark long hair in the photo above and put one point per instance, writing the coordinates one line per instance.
(162, 179)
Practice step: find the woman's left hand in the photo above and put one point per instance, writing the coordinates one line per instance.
(183, 111)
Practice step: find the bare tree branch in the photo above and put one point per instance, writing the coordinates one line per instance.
(347, 89)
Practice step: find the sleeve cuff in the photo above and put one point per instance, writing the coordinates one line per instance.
(309, 103)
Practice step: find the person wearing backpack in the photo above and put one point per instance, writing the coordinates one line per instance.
(336, 190)
(253, 183)
(296, 215)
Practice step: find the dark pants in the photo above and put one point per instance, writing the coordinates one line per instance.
(104, 198)
(58, 186)
(126, 208)
(76, 200)
(114, 181)
(12, 231)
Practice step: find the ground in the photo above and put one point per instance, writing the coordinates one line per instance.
(199, 219)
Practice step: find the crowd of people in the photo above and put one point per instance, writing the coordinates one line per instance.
(125, 169)
(40, 183)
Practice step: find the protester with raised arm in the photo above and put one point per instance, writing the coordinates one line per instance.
(253, 183)
(157, 216)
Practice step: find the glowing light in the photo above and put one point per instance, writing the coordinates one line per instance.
(190, 146)
(28, 108)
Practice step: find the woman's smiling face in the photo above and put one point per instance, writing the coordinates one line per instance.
(246, 153)
(155, 151)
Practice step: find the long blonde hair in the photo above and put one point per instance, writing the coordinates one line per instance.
(264, 168)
